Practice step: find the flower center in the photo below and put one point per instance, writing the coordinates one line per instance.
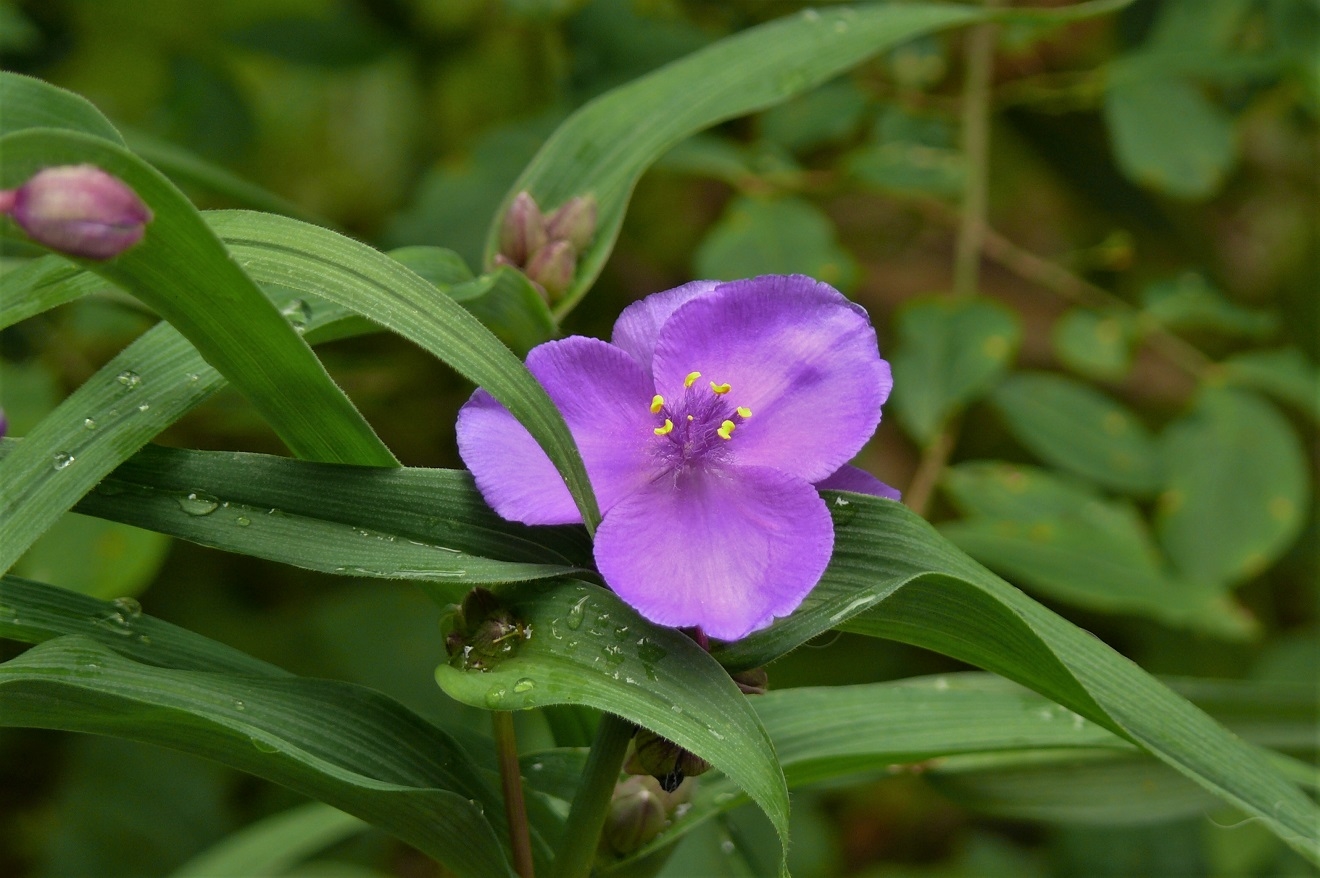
(700, 425)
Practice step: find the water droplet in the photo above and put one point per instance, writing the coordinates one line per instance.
(197, 503)
(129, 378)
(576, 613)
(727, 847)
(298, 313)
(538, 766)
(649, 652)
(61, 460)
(144, 407)
(526, 684)
(113, 622)
(621, 633)
(89, 423)
(239, 705)
(144, 640)
(495, 697)
(242, 521)
(264, 746)
(716, 734)
(681, 811)
(193, 376)
(614, 654)
(129, 607)
(810, 15)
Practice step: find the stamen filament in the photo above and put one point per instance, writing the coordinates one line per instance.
(726, 430)
(719, 388)
(666, 429)
(691, 379)
(657, 403)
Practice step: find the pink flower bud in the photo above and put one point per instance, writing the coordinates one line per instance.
(574, 222)
(79, 210)
(552, 267)
(523, 231)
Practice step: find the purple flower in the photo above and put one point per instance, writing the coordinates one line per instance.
(79, 210)
(706, 427)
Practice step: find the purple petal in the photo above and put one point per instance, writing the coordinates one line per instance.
(859, 481)
(605, 399)
(639, 325)
(726, 549)
(794, 351)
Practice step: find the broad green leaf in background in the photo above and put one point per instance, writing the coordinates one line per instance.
(910, 154)
(775, 236)
(820, 117)
(99, 558)
(1095, 345)
(1237, 487)
(588, 647)
(949, 352)
(605, 146)
(1189, 304)
(344, 745)
(274, 844)
(1076, 428)
(42, 284)
(1284, 373)
(182, 271)
(429, 525)
(892, 576)
(512, 307)
(1169, 136)
(1068, 543)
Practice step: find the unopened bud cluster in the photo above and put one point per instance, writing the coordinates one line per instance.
(484, 631)
(639, 811)
(546, 247)
(78, 210)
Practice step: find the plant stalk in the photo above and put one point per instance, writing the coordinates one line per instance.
(591, 805)
(515, 809)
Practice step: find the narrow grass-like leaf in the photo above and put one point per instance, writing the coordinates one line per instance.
(892, 576)
(429, 525)
(323, 263)
(31, 103)
(141, 391)
(183, 272)
(341, 744)
(273, 845)
(42, 284)
(588, 647)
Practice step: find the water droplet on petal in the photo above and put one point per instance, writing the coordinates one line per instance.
(526, 684)
(197, 503)
(61, 460)
(129, 378)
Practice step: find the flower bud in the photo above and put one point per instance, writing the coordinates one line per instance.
(552, 267)
(523, 230)
(78, 210)
(637, 814)
(484, 631)
(574, 221)
(664, 760)
(754, 681)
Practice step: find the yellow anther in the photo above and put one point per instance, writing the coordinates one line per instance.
(657, 403)
(689, 417)
(691, 379)
(726, 430)
(744, 412)
(666, 429)
(719, 388)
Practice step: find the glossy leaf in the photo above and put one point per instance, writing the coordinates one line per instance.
(344, 745)
(1074, 427)
(429, 525)
(949, 352)
(183, 272)
(892, 576)
(588, 647)
(1237, 491)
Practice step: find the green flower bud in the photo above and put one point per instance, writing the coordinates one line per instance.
(574, 222)
(637, 814)
(523, 230)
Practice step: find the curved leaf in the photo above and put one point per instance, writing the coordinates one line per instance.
(183, 272)
(342, 744)
(585, 646)
(892, 576)
(31, 103)
(274, 844)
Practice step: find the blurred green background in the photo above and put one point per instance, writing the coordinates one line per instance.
(1154, 248)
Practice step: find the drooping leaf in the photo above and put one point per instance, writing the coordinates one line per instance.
(1077, 428)
(950, 351)
(1237, 488)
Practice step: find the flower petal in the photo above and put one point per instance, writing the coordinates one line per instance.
(796, 353)
(639, 324)
(726, 549)
(605, 399)
(859, 481)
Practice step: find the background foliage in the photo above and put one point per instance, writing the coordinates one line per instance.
(1122, 423)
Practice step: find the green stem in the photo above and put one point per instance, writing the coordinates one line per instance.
(586, 817)
(515, 810)
(980, 57)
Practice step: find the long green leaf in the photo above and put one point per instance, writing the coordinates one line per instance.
(323, 263)
(43, 284)
(274, 844)
(429, 525)
(892, 576)
(183, 272)
(342, 744)
(587, 647)
(31, 103)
